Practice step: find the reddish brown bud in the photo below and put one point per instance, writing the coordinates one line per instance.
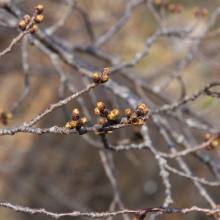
(104, 79)
(73, 124)
(105, 71)
(22, 25)
(116, 112)
(140, 122)
(111, 116)
(68, 126)
(96, 77)
(128, 112)
(196, 11)
(207, 136)
(133, 116)
(204, 12)
(214, 143)
(101, 105)
(171, 7)
(145, 117)
(27, 18)
(97, 112)
(34, 29)
(39, 9)
(141, 106)
(39, 18)
(83, 121)
(145, 111)
(135, 122)
(102, 121)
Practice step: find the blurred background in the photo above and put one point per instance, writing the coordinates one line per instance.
(62, 173)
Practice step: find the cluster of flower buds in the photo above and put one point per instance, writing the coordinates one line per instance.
(213, 144)
(28, 23)
(200, 12)
(139, 116)
(5, 117)
(101, 78)
(76, 122)
(175, 8)
(160, 2)
(102, 111)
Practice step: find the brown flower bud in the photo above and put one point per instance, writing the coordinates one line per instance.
(128, 112)
(145, 111)
(102, 121)
(97, 112)
(196, 11)
(116, 112)
(179, 8)
(9, 116)
(101, 105)
(96, 77)
(207, 136)
(145, 117)
(171, 7)
(68, 126)
(73, 124)
(141, 106)
(83, 121)
(135, 122)
(133, 116)
(104, 79)
(111, 116)
(75, 114)
(204, 12)
(214, 143)
(140, 122)
(39, 9)
(22, 25)
(105, 71)
(27, 18)
(34, 29)
(39, 18)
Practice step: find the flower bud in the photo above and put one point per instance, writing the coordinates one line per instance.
(128, 112)
(27, 18)
(97, 112)
(34, 29)
(105, 71)
(83, 121)
(39, 9)
(9, 116)
(133, 116)
(207, 136)
(204, 12)
(116, 112)
(145, 111)
(104, 79)
(39, 18)
(100, 105)
(141, 106)
(214, 143)
(68, 126)
(96, 77)
(73, 124)
(102, 121)
(135, 122)
(140, 122)
(111, 116)
(22, 25)
(75, 114)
